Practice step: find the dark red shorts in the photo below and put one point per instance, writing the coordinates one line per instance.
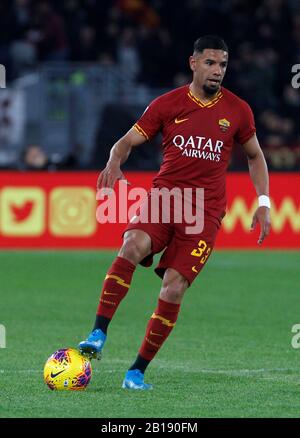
(186, 253)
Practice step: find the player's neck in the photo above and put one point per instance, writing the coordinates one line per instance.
(200, 93)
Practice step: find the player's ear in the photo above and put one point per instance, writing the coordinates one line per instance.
(192, 62)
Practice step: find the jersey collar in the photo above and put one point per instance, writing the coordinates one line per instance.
(207, 104)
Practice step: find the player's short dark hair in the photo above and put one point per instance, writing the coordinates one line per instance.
(210, 42)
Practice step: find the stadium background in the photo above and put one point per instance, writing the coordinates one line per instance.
(78, 74)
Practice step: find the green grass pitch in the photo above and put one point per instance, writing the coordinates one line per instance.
(230, 354)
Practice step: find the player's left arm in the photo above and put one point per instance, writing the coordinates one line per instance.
(259, 175)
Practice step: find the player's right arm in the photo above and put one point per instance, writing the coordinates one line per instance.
(118, 155)
(148, 125)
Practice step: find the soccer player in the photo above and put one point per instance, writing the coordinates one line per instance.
(200, 122)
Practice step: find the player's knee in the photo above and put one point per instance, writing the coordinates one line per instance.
(172, 293)
(135, 247)
(173, 287)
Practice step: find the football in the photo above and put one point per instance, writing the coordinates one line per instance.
(67, 369)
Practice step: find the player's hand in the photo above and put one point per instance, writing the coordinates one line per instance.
(108, 177)
(262, 216)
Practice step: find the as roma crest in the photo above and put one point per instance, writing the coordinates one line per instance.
(224, 125)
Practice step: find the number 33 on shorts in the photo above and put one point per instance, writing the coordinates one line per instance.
(202, 252)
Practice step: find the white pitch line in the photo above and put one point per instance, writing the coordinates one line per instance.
(230, 372)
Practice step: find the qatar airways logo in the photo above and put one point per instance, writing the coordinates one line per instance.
(199, 147)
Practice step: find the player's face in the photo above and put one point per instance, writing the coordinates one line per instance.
(209, 69)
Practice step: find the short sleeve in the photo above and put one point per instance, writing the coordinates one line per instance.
(150, 123)
(246, 127)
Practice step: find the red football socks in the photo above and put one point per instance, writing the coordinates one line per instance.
(159, 327)
(115, 286)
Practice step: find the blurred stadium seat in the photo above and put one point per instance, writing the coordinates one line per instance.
(116, 120)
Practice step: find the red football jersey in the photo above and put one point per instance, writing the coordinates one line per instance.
(197, 140)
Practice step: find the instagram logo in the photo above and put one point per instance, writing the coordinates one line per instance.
(72, 212)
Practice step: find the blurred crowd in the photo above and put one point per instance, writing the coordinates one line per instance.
(153, 39)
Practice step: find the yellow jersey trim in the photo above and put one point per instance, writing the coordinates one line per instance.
(208, 104)
(140, 130)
